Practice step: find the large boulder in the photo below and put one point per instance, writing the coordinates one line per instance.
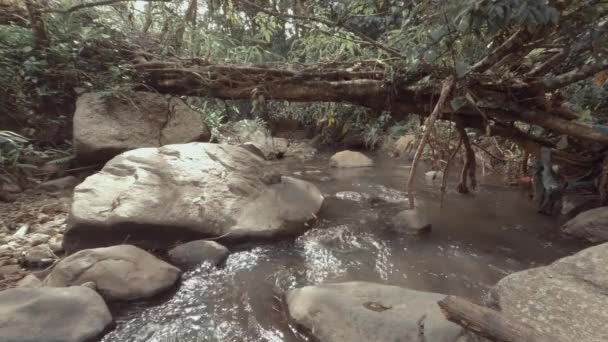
(196, 252)
(70, 314)
(567, 298)
(155, 197)
(346, 159)
(591, 225)
(106, 125)
(122, 272)
(361, 311)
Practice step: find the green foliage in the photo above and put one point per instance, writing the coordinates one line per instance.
(92, 49)
(213, 113)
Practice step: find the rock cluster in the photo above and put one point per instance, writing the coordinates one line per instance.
(151, 197)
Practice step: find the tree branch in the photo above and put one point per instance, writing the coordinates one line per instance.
(446, 90)
(490, 323)
(579, 74)
(361, 35)
(93, 4)
(500, 52)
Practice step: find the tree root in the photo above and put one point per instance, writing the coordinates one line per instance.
(468, 170)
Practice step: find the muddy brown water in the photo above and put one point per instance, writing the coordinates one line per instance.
(476, 240)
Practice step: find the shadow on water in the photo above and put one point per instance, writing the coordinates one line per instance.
(476, 240)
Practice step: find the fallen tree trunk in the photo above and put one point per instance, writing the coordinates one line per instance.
(365, 84)
(489, 323)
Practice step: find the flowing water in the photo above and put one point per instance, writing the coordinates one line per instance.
(476, 240)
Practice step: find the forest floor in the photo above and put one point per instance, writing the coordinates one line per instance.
(43, 215)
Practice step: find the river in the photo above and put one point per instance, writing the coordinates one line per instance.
(476, 240)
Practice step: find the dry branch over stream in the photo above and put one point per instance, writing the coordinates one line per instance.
(500, 102)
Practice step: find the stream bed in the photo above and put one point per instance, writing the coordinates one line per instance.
(476, 240)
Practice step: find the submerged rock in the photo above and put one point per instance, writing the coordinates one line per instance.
(567, 298)
(347, 159)
(121, 272)
(196, 252)
(410, 221)
(361, 311)
(155, 197)
(433, 176)
(591, 225)
(69, 314)
(106, 125)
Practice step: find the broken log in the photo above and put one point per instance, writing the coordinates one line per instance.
(497, 105)
(489, 323)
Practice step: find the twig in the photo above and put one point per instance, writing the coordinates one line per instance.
(446, 169)
(468, 170)
(446, 90)
(92, 4)
(342, 24)
(489, 323)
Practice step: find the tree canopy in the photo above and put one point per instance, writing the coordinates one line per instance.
(529, 70)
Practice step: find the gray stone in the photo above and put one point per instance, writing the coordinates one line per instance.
(155, 197)
(72, 314)
(59, 184)
(56, 244)
(39, 256)
(196, 252)
(363, 312)
(106, 125)
(411, 222)
(9, 270)
(347, 159)
(404, 145)
(282, 209)
(591, 225)
(254, 148)
(121, 272)
(30, 281)
(574, 204)
(37, 239)
(567, 299)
